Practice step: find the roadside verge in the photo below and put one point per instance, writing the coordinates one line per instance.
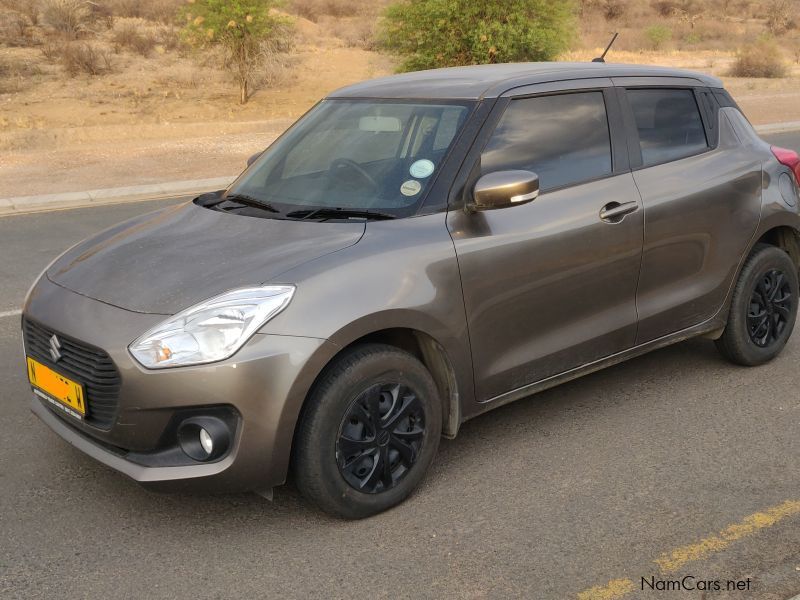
(170, 189)
(155, 191)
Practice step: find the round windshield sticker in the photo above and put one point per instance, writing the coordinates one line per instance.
(410, 188)
(422, 169)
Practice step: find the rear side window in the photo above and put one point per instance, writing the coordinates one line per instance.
(668, 123)
(564, 139)
(724, 98)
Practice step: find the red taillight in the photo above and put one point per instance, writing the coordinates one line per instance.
(790, 159)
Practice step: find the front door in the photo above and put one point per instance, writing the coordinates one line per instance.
(550, 285)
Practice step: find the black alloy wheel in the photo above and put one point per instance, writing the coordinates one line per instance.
(770, 308)
(368, 431)
(763, 308)
(380, 437)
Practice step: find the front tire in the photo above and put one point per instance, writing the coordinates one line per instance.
(763, 308)
(368, 433)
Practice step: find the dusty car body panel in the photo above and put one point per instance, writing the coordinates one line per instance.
(163, 262)
(566, 294)
(406, 277)
(689, 238)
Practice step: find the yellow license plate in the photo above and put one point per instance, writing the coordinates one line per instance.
(57, 387)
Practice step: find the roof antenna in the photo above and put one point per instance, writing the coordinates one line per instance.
(602, 57)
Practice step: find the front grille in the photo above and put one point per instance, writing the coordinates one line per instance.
(85, 364)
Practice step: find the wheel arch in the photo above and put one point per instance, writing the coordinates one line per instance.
(429, 352)
(774, 232)
(785, 237)
(418, 343)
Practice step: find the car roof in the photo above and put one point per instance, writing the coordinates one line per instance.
(489, 81)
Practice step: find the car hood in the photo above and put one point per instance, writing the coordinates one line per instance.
(166, 261)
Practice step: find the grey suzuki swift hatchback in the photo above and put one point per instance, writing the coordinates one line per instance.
(415, 251)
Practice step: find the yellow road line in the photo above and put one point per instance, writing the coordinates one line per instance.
(674, 560)
(616, 588)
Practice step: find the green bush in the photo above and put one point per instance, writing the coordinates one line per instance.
(238, 26)
(658, 36)
(445, 33)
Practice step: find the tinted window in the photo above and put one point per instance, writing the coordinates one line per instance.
(724, 99)
(564, 139)
(669, 124)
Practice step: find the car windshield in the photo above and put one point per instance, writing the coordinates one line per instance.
(355, 155)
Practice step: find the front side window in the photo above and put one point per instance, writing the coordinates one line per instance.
(564, 139)
(669, 124)
(356, 154)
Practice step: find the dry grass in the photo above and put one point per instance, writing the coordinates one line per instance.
(68, 17)
(130, 36)
(84, 58)
(759, 60)
(314, 9)
(16, 75)
(160, 11)
(355, 32)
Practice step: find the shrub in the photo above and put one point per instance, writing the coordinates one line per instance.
(443, 33)
(102, 13)
(169, 39)
(128, 36)
(759, 60)
(314, 9)
(51, 51)
(666, 8)
(239, 27)
(614, 9)
(162, 11)
(15, 30)
(780, 16)
(16, 75)
(69, 17)
(658, 36)
(275, 64)
(357, 32)
(82, 57)
(28, 9)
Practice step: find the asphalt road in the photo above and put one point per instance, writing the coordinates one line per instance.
(673, 464)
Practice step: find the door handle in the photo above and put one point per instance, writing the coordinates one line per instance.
(614, 211)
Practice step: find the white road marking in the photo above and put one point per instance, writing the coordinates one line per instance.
(10, 313)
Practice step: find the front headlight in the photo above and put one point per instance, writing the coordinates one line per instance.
(212, 330)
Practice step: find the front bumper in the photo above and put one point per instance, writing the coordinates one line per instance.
(264, 385)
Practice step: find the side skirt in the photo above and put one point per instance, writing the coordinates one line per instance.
(712, 325)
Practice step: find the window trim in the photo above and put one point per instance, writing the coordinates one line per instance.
(634, 142)
(617, 145)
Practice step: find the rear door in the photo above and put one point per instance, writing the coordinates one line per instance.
(702, 199)
(550, 285)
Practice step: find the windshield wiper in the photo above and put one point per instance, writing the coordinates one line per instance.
(339, 213)
(246, 200)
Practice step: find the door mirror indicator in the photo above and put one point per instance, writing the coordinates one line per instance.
(502, 189)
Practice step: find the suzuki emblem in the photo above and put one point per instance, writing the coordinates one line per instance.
(55, 346)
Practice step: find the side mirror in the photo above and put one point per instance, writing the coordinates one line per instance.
(254, 158)
(505, 188)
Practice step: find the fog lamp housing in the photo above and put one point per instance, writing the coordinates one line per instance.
(204, 439)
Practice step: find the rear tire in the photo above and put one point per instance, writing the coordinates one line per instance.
(368, 432)
(763, 308)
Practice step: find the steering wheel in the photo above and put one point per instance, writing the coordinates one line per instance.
(346, 162)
